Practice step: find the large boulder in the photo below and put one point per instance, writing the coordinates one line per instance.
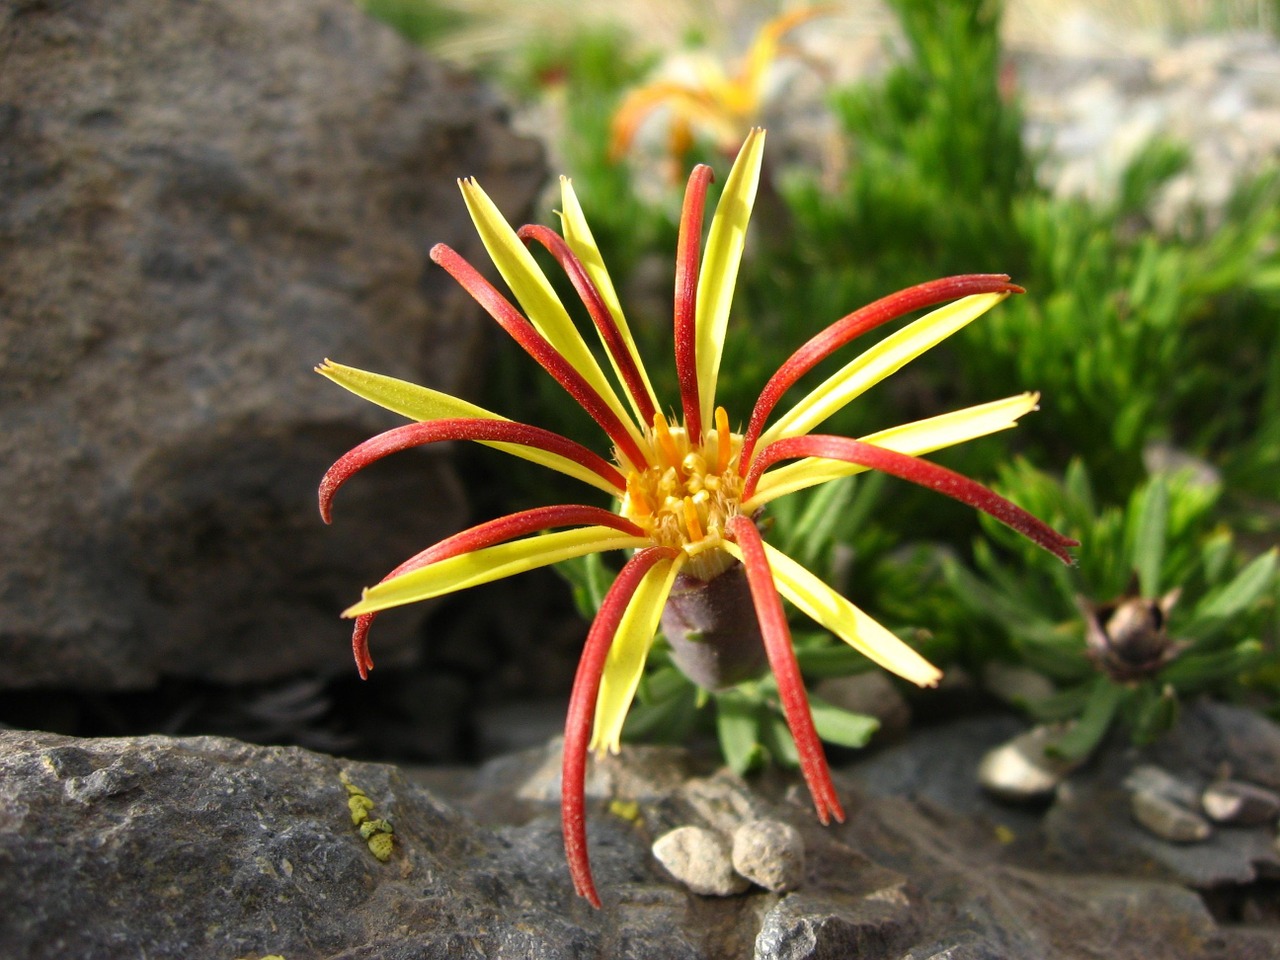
(207, 847)
(199, 202)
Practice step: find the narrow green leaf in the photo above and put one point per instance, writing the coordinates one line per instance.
(738, 726)
(1061, 706)
(777, 737)
(1192, 673)
(1100, 709)
(1155, 711)
(831, 660)
(1233, 599)
(813, 530)
(1149, 516)
(839, 726)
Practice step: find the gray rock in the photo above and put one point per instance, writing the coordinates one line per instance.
(1089, 115)
(1090, 824)
(643, 773)
(1167, 819)
(700, 859)
(172, 848)
(207, 847)
(1151, 779)
(1213, 737)
(769, 853)
(198, 202)
(807, 927)
(1233, 801)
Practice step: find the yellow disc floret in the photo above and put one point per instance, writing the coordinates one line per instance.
(684, 498)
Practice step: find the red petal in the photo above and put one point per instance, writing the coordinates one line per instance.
(600, 314)
(582, 711)
(782, 660)
(861, 321)
(927, 474)
(458, 428)
(688, 250)
(534, 344)
(486, 535)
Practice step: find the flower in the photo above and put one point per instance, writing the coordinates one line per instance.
(688, 489)
(723, 106)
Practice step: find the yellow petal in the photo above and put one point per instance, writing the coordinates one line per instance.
(720, 263)
(491, 563)
(687, 105)
(914, 439)
(578, 235)
(764, 50)
(537, 298)
(846, 621)
(400, 396)
(886, 357)
(625, 663)
(420, 403)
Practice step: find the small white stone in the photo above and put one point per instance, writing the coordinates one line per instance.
(700, 859)
(1233, 801)
(1153, 779)
(769, 853)
(1021, 770)
(1168, 820)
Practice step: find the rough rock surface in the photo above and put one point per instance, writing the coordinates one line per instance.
(208, 847)
(1096, 94)
(198, 202)
(1090, 823)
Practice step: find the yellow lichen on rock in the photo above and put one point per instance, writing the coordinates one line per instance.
(377, 832)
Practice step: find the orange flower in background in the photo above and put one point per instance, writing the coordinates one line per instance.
(720, 106)
(687, 489)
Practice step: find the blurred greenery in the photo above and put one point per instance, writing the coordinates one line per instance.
(1139, 338)
(1160, 606)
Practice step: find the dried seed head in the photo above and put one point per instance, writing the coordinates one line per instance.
(1129, 637)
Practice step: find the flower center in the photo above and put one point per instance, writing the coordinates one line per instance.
(684, 498)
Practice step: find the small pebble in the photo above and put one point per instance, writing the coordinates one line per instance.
(1167, 820)
(1152, 779)
(1020, 770)
(769, 853)
(1233, 801)
(700, 859)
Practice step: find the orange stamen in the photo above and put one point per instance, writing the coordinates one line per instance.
(722, 440)
(666, 443)
(691, 521)
(640, 504)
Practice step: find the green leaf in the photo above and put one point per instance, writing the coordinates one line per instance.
(738, 726)
(1061, 706)
(831, 660)
(1215, 552)
(1148, 520)
(589, 579)
(814, 529)
(1191, 672)
(1233, 599)
(1154, 712)
(1100, 709)
(778, 739)
(668, 719)
(839, 726)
